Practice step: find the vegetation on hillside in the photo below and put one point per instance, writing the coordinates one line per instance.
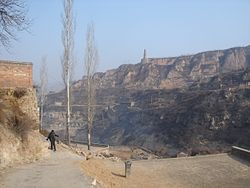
(19, 140)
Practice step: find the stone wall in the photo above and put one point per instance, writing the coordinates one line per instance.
(15, 74)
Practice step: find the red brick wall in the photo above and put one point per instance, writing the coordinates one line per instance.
(15, 74)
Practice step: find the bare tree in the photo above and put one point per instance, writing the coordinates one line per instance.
(91, 61)
(67, 58)
(13, 18)
(43, 88)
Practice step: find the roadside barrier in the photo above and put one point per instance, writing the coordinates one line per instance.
(241, 153)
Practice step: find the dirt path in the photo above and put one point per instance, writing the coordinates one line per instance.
(61, 170)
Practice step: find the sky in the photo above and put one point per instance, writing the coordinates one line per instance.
(124, 28)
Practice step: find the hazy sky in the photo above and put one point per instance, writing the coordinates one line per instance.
(123, 28)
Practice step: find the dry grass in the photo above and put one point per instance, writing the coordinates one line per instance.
(2, 115)
(44, 133)
(12, 116)
(19, 140)
(19, 93)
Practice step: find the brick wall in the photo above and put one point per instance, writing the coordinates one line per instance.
(15, 74)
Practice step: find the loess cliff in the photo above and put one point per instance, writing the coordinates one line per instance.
(176, 72)
(195, 104)
(20, 141)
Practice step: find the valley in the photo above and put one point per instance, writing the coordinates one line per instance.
(205, 113)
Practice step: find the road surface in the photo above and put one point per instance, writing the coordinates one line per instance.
(60, 170)
(209, 171)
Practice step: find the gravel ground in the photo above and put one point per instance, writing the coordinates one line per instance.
(210, 171)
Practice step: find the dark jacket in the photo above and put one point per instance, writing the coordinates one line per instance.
(52, 136)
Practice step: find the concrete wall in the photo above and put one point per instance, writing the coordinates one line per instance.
(241, 153)
(15, 74)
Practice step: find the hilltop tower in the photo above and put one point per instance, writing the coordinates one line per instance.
(144, 59)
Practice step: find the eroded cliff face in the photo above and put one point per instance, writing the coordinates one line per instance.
(20, 140)
(173, 121)
(170, 122)
(194, 104)
(176, 72)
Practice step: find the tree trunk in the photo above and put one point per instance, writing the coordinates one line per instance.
(89, 139)
(68, 112)
(41, 118)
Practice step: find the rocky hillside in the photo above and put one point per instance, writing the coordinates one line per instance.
(193, 104)
(175, 72)
(20, 140)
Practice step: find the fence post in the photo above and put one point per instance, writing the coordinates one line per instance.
(128, 164)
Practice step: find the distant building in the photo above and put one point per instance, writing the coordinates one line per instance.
(161, 60)
(58, 103)
(15, 74)
(144, 59)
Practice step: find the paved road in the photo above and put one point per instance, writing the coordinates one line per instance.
(61, 170)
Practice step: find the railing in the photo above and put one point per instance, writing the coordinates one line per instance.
(85, 143)
(241, 153)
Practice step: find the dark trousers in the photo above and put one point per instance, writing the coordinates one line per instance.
(53, 145)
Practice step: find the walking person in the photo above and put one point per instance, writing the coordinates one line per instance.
(52, 138)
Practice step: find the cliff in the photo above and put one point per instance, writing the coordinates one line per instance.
(176, 72)
(194, 104)
(20, 140)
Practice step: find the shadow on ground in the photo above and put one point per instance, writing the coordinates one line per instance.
(242, 161)
(119, 175)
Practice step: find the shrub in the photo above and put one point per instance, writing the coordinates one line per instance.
(12, 116)
(21, 125)
(19, 93)
(44, 132)
(2, 116)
